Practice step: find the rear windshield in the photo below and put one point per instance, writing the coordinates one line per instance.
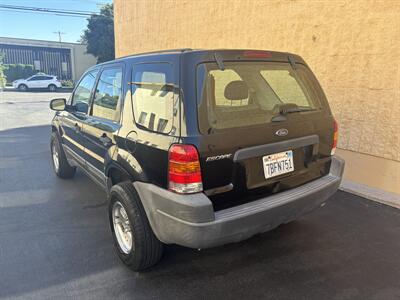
(251, 93)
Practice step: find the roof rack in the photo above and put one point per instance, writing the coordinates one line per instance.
(158, 51)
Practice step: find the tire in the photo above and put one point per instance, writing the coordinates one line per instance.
(52, 88)
(22, 87)
(62, 168)
(146, 250)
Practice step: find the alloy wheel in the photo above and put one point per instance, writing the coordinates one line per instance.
(54, 154)
(122, 228)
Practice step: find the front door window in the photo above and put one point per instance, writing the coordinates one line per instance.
(81, 96)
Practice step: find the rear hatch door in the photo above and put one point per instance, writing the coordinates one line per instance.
(264, 125)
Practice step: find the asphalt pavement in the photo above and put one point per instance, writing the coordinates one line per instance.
(55, 241)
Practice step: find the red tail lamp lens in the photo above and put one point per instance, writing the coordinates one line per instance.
(184, 173)
(335, 136)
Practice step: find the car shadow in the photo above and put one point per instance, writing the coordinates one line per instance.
(40, 90)
(55, 242)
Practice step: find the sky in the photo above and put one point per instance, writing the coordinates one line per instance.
(41, 26)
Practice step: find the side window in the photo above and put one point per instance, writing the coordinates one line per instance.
(153, 96)
(108, 94)
(81, 97)
(33, 78)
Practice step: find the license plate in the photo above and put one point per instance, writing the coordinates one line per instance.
(278, 163)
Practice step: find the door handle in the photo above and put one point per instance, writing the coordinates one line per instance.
(105, 140)
(77, 127)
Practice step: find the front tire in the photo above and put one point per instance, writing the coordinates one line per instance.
(60, 163)
(52, 88)
(135, 242)
(22, 87)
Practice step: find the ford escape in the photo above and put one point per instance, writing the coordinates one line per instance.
(198, 147)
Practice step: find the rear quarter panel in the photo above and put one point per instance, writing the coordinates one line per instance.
(143, 153)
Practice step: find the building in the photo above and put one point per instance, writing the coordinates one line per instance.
(353, 48)
(67, 61)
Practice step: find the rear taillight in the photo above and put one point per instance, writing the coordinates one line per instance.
(184, 173)
(335, 136)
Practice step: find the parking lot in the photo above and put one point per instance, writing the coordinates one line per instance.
(55, 240)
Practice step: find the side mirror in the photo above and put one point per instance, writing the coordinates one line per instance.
(58, 104)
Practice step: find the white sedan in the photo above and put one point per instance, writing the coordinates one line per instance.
(41, 81)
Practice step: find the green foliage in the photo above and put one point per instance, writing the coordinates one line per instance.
(99, 35)
(18, 71)
(2, 75)
(67, 83)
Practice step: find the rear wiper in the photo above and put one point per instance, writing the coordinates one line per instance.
(283, 111)
(297, 109)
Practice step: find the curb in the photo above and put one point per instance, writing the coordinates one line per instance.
(370, 193)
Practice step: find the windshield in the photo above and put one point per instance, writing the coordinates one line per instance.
(251, 93)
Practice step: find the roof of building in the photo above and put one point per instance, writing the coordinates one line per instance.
(21, 41)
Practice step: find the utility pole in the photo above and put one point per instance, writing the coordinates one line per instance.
(59, 35)
(61, 55)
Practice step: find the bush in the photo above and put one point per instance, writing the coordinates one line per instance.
(18, 71)
(67, 83)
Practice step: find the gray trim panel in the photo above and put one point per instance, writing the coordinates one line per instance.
(189, 220)
(255, 151)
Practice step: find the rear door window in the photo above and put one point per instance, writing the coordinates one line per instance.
(108, 94)
(153, 96)
(251, 93)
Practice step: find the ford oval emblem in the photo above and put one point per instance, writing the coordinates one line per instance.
(282, 132)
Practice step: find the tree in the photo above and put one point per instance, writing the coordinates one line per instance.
(99, 35)
(2, 76)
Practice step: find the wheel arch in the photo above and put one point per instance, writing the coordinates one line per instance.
(116, 174)
(56, 129)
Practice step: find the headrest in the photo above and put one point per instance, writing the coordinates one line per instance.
(236, 90)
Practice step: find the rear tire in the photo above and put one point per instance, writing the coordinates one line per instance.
(144, 249)
(60, 163)
(52, 88)
(22, 87)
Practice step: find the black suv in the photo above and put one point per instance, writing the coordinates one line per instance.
(198, 147)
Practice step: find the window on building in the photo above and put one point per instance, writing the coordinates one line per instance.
(108, 94)
(153, 94)
(36, 64)
(81, 96)
(64, 67)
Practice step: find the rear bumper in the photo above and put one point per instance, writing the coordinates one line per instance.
(189, 220)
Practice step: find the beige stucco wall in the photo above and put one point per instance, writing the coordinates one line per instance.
(81, 60)
(352, 46)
